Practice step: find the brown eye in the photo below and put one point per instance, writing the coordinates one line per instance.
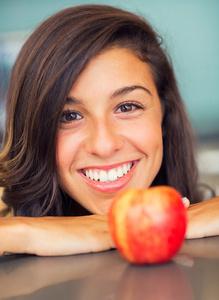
(126, 107)
(68, 117)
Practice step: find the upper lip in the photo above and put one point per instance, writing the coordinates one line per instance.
(108, 167)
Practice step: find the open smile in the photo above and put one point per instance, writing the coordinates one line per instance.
(109, 179)
(108, 175)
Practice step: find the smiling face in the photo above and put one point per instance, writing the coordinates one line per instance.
(110, 135)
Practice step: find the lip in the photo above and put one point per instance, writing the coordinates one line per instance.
(107, 187)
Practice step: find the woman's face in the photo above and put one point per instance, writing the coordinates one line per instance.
(110, 135)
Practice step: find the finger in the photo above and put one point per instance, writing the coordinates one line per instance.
(186, 202)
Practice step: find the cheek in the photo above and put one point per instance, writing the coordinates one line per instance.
(66, 150)
(146, 136)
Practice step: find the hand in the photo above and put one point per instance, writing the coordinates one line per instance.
(186, 202)
(203, 219)
(55, 235)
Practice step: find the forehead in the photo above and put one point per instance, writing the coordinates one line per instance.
(113, 69)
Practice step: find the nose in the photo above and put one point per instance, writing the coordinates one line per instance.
(104, 140)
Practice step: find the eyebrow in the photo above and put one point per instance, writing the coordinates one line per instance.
(129, 89)
(73, 100)
(119, 92)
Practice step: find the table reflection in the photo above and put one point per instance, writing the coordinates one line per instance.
(166, 282)
(108, 276)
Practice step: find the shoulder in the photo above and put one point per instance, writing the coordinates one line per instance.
(4, 209)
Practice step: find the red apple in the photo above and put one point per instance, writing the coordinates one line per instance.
(148, 226)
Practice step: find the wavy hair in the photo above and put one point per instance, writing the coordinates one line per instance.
(48, 65)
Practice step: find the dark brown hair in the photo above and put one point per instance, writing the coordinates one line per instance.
(46, 68)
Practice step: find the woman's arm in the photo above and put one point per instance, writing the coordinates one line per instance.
(203, 219)
(48, 236)
(72, 235)
(55, 235)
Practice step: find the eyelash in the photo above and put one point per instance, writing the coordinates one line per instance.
(134, 106)
(69, 113)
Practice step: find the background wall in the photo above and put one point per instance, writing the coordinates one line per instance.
(190, 32)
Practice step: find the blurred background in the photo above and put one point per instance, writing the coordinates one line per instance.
(190, 32)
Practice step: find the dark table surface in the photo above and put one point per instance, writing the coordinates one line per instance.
(192, 274)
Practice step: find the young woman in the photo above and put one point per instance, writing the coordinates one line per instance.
(93, 108)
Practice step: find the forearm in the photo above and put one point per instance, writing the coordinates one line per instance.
(15, 235)
(203, 219)
(55, 235)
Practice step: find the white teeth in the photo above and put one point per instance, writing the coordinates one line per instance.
(125, 170)
(112, 175)
(96, 176)
(119, 172)
(91, 176)
(103, 176)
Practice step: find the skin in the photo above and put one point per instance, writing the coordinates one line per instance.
(203, 219)
(103, 137)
